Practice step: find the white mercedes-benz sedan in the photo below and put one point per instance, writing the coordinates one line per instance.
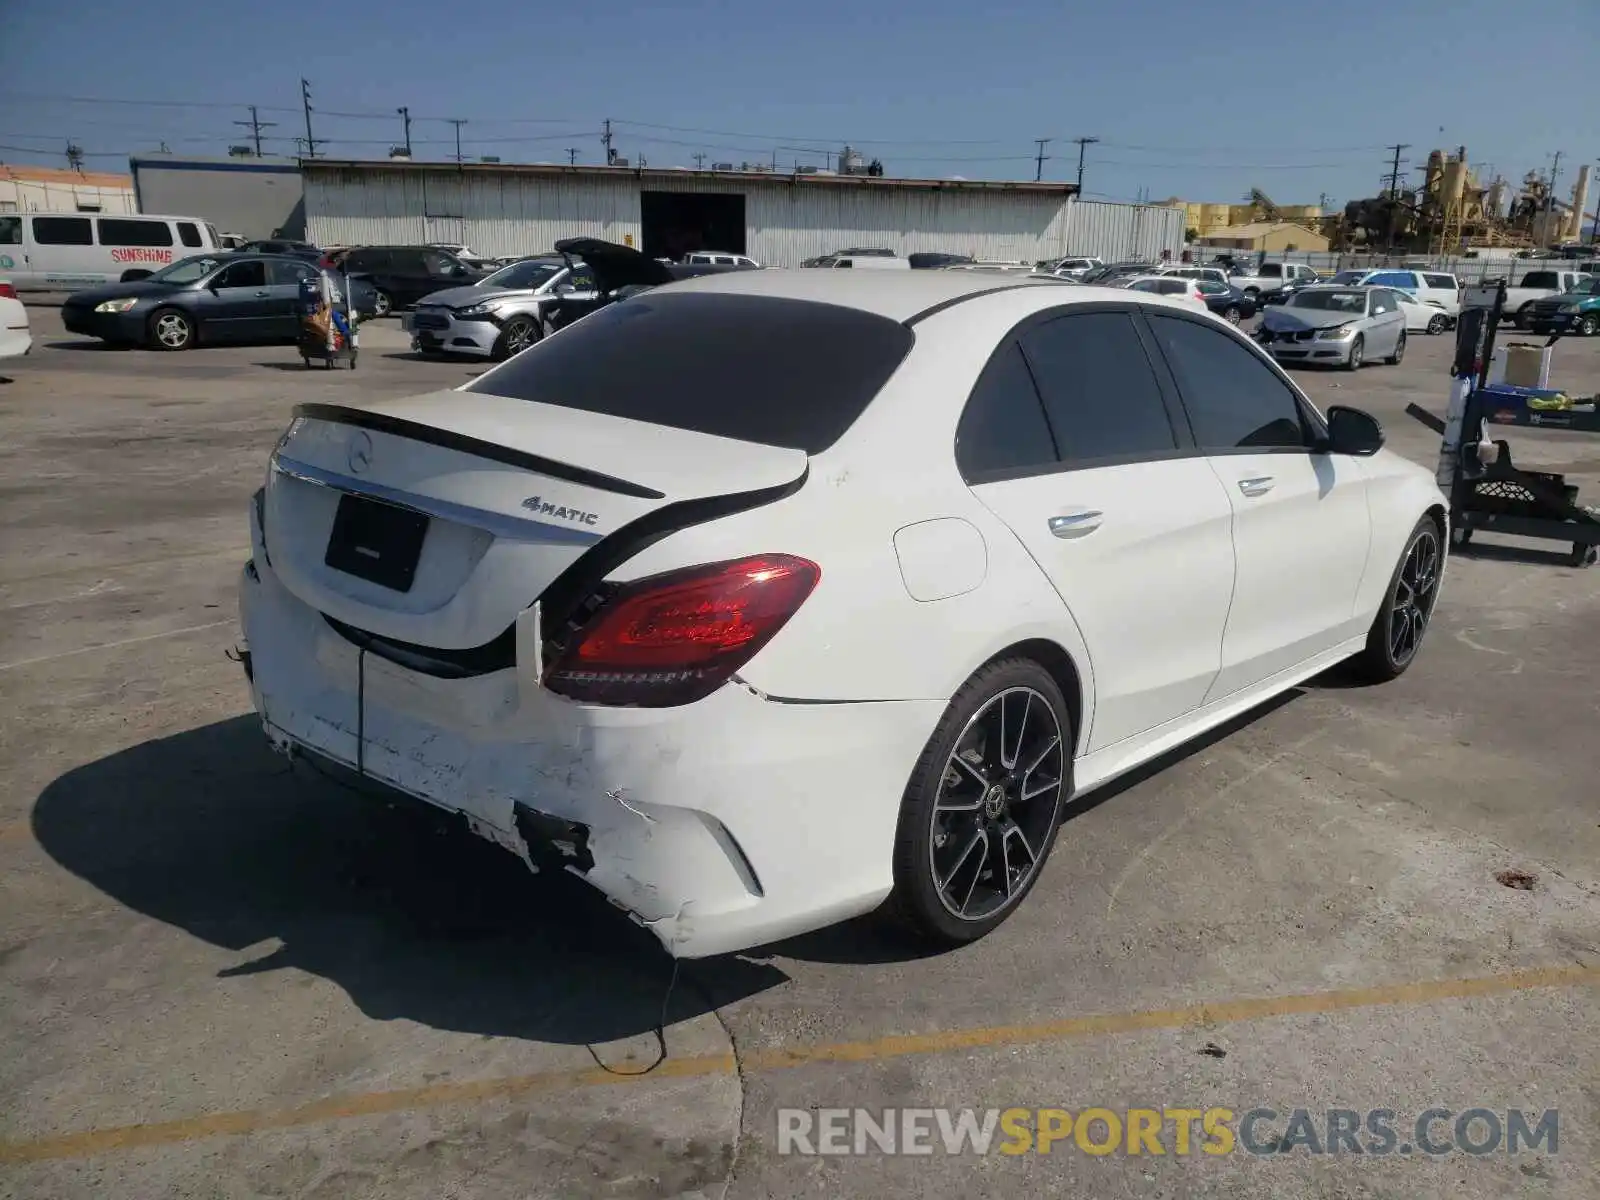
(765, 599)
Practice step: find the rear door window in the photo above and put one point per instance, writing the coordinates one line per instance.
(763, 369)
(1099, 390)
(251, 274)
(1003, 433)
(1444, 282)
(189, 234)
(291, 272)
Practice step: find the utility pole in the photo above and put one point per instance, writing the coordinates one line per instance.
(572, 156)
(1083, 144)
(1394, 192)
(458, 122)
(305, 99)
(74, 156)
(256, 125)
(1550, 198)
(1038, 161)
(605, 140)
(774, 159)
(699, 161)
(405, 115)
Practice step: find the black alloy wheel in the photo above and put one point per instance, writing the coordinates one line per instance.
(1402, 622)
(981, 811)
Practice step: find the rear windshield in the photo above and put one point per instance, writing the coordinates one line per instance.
(792, 373)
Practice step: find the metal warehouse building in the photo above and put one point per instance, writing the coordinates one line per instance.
(255, 197)
(778, 219)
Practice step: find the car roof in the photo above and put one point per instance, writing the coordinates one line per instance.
(898, 295)
(908, 295)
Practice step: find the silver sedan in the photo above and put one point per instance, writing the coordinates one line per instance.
(1336, 326)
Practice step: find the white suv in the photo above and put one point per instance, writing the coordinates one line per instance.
(713, 258)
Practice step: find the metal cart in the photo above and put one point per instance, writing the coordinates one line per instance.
(328, 321)
(1497, 496)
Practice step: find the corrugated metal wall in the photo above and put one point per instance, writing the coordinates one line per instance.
(519, 213)
(1124, 232)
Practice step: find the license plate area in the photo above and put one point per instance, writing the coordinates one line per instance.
(377, 542)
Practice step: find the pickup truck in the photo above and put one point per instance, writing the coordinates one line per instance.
(1574, 311)
(1271, 276)
(1537, 286)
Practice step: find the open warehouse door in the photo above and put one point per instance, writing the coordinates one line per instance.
(678, 223)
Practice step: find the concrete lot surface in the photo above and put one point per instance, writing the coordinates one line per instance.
(220, 977)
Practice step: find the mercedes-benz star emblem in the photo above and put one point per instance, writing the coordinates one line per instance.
(359, 455)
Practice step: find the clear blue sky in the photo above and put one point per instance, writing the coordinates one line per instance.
(1191, 99)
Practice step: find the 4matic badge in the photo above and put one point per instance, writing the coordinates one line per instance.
(544, 508)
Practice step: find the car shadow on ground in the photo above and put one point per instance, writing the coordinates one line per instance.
(412, 916)
(1559, 554)
(88, 344)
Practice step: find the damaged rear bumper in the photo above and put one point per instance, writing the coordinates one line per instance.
(719, 825)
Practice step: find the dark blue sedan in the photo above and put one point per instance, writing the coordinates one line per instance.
(1227, 301)
(209, 298)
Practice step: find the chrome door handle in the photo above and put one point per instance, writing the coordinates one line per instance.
(1256, 485)
(263, 294)
(1076, 524)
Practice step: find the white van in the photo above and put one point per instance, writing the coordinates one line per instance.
(58, 252)
(870, 262)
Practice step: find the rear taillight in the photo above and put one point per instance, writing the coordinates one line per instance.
(7, 292)
(675, 638)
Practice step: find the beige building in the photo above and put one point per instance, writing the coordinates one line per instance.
(27, 188)
(1207, 219)
(1266, 235)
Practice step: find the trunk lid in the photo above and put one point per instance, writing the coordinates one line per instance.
(435, 520)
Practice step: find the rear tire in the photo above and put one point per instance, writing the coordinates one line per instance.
(1438, 324)
(1232, 314)
(1399, 352)
(982, 807)
(171, 329)
(381, 304)
(1403, 618)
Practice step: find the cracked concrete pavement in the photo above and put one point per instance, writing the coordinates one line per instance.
(220, 978)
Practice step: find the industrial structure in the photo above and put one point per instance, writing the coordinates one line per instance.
(780, 219)
(1205, 220)
(27, 188)
(256, 197)
(1454, 210)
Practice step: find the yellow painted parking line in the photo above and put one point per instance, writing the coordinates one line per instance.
(367, 1104)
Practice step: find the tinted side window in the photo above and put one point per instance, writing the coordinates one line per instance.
(116, 231)
(1271, 271)
(1003, 429)
(1235, 401)
(243, 275)
(1099, 391)
(62, 231)
(189, 233)
(407, 262)
(291, 272)
(10, 231)
(1441, 281)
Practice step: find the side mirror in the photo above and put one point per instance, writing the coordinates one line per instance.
(1351, 431)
